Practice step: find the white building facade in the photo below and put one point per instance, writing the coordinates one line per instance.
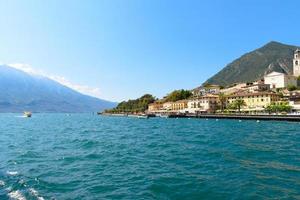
(296, 63)
(280, 80)
(204, 104)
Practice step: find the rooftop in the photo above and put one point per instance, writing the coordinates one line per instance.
(252, 94)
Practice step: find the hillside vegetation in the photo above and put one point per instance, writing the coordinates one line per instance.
(178, 95)
(133, 106)
(252, 66)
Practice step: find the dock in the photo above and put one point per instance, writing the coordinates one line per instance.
(294, 118)
(291, 118)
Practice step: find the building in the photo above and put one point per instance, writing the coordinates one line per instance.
(204, 104)
(179, 106)
(257, 87)
(239, 87)
(159, 107)
(296, 63)
(280, 80)
(155, 107)
(294, 101)
(254, 101)
(207, 89)
(283, 80)
(167, 106)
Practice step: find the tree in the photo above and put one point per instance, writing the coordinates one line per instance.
(178, 95)
(237, 104)
(222, 98)
(133, 106)
(291, 87)
(279, 107)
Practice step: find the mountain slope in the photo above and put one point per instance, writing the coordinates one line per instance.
(274, 56)
(20, 91)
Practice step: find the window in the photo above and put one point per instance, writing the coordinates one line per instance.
(296, 63)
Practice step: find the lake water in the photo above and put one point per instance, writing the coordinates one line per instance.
(84, 156)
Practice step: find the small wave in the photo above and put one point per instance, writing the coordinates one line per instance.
(8, 189)
(35, 193)
(12, 173)
(22, 182)
(17, 195)
(2, 183)
(21, 116)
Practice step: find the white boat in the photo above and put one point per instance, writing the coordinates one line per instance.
(143, 116)
(135, 116)
(164, 116)
(139, 116)
(27, 114)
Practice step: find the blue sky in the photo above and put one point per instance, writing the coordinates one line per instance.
(123, 49)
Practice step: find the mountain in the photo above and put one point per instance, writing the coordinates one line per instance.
(21, 91)
(252, 66)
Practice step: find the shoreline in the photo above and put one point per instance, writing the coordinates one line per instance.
(291, 118)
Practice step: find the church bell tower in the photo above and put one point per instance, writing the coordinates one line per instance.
(296, 63)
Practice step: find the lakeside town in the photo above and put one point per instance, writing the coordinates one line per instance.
(276, 93)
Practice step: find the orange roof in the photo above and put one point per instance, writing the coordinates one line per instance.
(181, 101)
(211, 96)
(252, 94)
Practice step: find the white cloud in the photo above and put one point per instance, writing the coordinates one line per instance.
(92, 91)
(84, 89)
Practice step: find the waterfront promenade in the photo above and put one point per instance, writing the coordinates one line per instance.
(292, 118)
(295, 118)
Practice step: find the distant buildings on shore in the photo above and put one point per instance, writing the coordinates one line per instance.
(256, 97)
(283, 80)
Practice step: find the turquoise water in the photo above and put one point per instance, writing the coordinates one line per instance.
(84, 156)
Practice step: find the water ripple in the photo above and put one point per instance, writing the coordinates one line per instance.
(85, 156)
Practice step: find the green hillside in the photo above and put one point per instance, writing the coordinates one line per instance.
(133, 106)
(274, 56)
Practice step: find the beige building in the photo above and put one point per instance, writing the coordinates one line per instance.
(257, 87)
(255, 101)
(204, 104)
(233, 89)
(294, 101)
(159, 107)
(155, 107)
(167, 106)
(208, 89)
(179, 106)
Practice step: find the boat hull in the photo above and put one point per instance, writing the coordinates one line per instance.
(27, 114)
